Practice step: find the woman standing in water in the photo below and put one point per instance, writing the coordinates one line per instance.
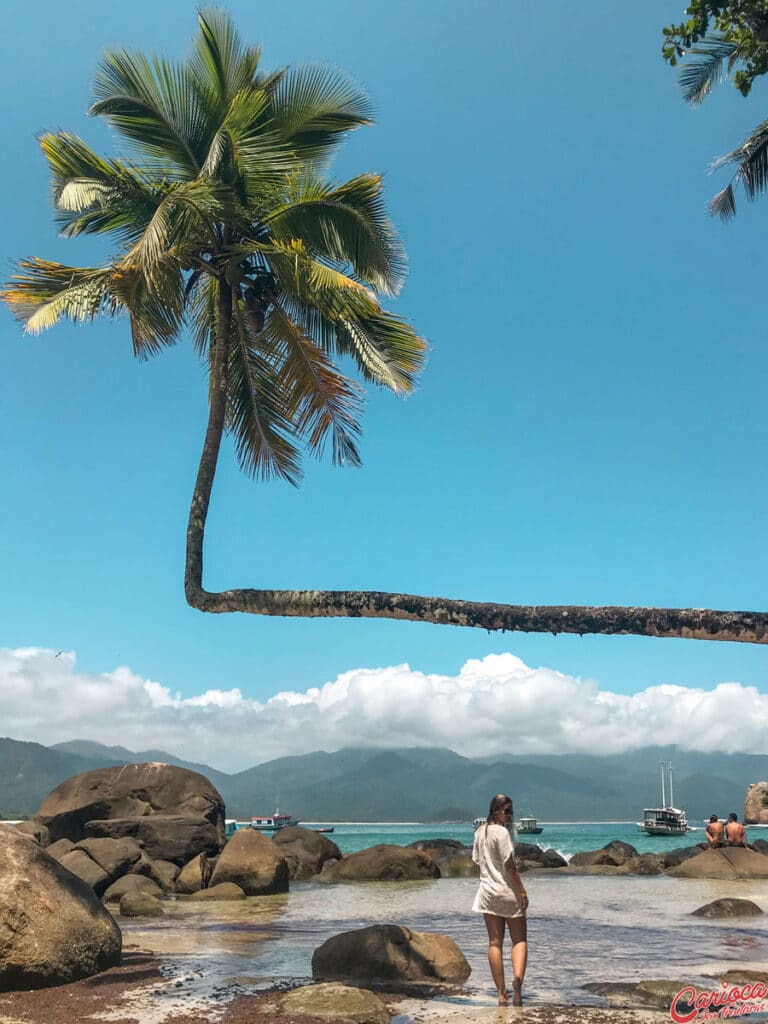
(501, 897)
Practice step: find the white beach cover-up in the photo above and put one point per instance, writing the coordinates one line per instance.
(493, 848)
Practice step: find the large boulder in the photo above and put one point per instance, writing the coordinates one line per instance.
(87, 870)
(131, 883)
(452, 857)
(672, 858)
(383, 863)
(53, 929)
(305, 851)
(756, 804)
(174, 837)
(194, 876)
(253, 862)
(131, 791)
(643, 864)
(391, 952)
(335, 1002)
(728, 863)
(115, 857)
(37, 832)
(613, 854)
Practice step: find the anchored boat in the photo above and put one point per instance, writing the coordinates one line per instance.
(528, 827)
(666, 820)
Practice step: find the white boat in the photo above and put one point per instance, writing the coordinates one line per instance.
(272, 822)
(528, 827)
(478, 822)
(666, 820)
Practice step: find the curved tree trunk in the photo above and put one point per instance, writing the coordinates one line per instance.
(692, 623)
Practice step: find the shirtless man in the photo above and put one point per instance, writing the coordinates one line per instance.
(715, 833)
(735, 832)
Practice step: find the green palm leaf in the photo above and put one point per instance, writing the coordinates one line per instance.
(320, 399)
(315, 106)
(257, 414)
(698, 77)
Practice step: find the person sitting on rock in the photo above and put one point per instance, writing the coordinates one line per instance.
(736, 833)
(715, 833)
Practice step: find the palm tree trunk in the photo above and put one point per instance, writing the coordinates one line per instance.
(692, 623)
(217, 408)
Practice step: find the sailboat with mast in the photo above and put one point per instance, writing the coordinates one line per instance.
(666, 820)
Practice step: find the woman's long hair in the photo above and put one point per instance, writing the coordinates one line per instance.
(499, 801)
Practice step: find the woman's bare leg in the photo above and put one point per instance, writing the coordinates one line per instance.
(495, 927)
(518, 933)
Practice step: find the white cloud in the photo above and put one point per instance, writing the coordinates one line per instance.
(494, 705)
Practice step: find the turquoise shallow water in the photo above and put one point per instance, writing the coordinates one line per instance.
(567, 838)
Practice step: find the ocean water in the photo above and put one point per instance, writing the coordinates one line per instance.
(581, 928)
(565, 837)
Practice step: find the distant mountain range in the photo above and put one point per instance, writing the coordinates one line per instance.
(415, 784)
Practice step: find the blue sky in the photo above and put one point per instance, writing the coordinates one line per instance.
(591, 426)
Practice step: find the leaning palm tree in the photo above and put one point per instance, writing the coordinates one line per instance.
(225, 224)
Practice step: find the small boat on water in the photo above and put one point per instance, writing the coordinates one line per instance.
(528, 827)
(272, 822)
(263, 823)
(478, 822)
(666, 820)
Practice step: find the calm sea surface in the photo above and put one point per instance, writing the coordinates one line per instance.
(581, 928)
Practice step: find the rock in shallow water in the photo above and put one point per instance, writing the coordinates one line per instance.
(140, 904)
(728, 907)
(382, 863)
(390, 952)
(53, 929)
(253, 862)
(336, 1002)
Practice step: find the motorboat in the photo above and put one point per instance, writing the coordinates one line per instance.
(666, 820)
(528, 827)
(272, 822)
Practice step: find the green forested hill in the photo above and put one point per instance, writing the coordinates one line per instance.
(415, 784)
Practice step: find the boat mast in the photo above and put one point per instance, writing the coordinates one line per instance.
(663, 791)
(671, 797)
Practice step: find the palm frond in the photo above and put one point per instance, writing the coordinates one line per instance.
(187, 217)
(155, 305)
(751, 158)
(45, 292)
(95, 195)
(257, 416)
(321, 400)
(155, 106)
(314, 106)
(346, 224)
(202, 312)
(723, 205)
(221, 64)
(386, 349)
(698, 77)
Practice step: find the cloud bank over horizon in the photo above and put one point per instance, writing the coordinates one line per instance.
(493, 705)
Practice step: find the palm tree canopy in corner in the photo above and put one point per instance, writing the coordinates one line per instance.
(225, 224)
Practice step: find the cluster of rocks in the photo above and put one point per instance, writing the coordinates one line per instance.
(699, 861)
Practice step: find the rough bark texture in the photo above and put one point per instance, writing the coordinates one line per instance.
(688, 623)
